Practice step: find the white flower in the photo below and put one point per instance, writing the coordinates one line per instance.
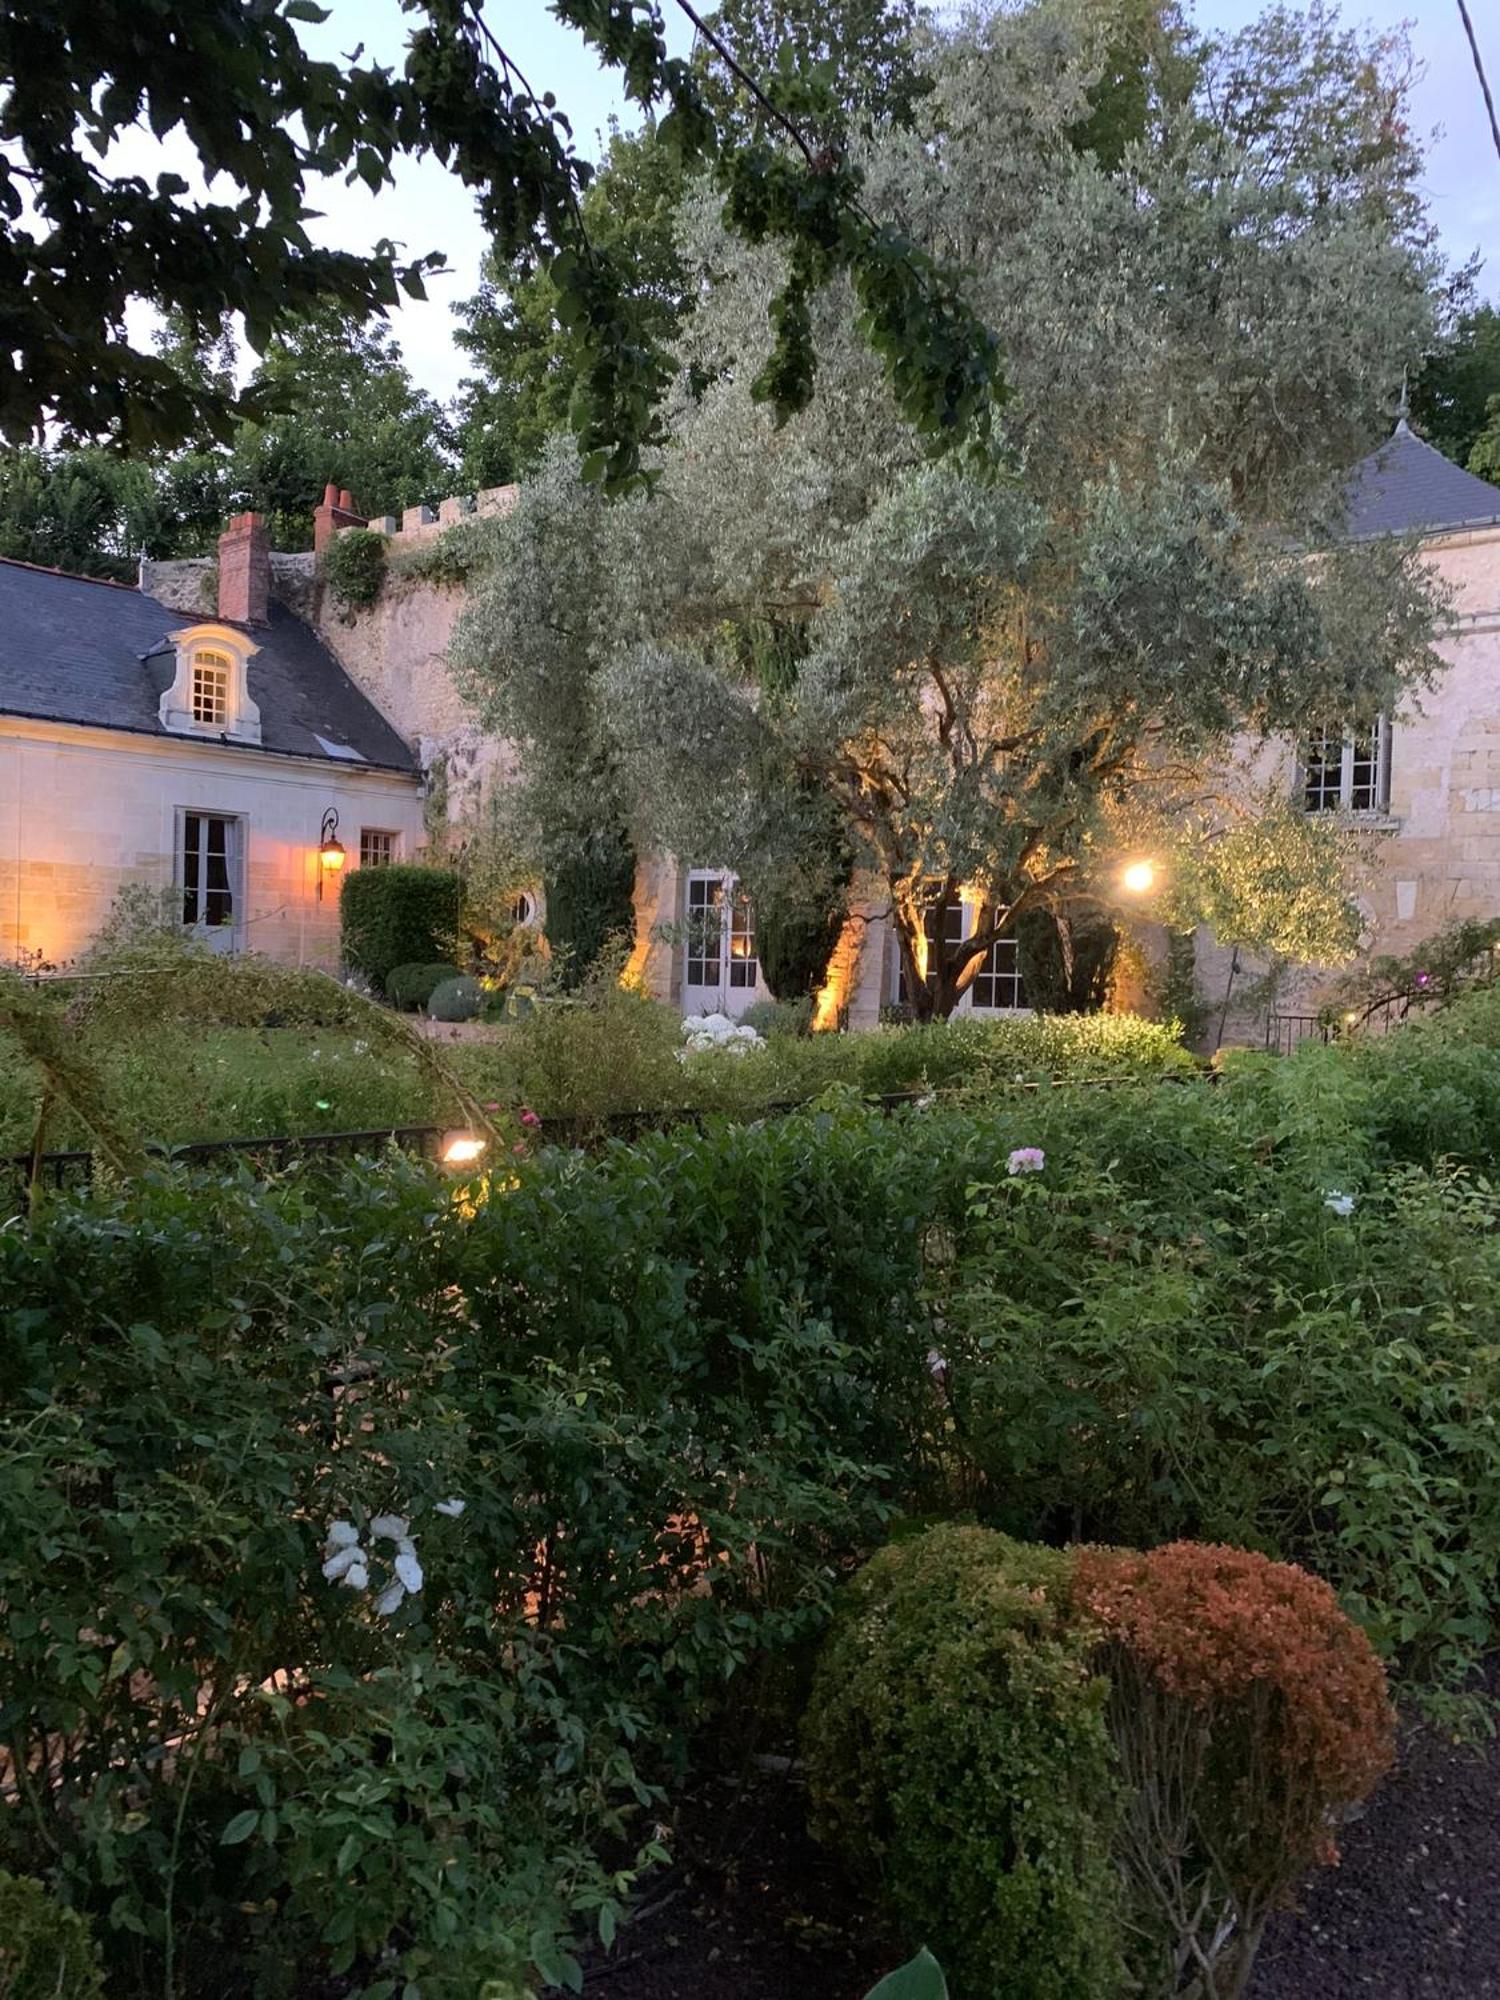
(390, 1599)
(408, 1569)
(452, 1508)
(937, 1364)
(361, 1048)
(342, 1561)
(356, 1577)
(926, 1101)
(390, 1527)
(341, 1535)
(1339, 1202)
(1026, 1160)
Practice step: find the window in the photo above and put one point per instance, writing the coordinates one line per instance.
(523, 910)
(1347, 770)
(952, 919)
(210, 690)
(998, 982)
(377, 847)
(207, 862)
(742, 962)
(705, 929)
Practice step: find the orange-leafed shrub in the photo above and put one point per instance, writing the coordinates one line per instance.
(1250, 1713)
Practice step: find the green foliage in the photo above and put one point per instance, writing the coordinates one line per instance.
(354, 565)
(1458, 959)
(681, 1385)
(1451, 398)
(921, 1978)
(403, 915)
(46, 1951)
(589, 890)
(957, 1757)
(457, 999)
(412, 986)
(1066, 961)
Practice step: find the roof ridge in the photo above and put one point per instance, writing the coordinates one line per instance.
(73, 575)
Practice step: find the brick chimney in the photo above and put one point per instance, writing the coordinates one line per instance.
(245, 571)
(335, 513)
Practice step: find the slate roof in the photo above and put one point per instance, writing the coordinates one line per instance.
(74, 649)
(1407, 487)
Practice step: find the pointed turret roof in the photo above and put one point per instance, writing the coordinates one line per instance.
(1408, 487)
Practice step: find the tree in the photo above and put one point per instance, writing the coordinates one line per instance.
(89, 512)
(1006, 685)
(346, 412)
(79, 243)
(1452, 397)
(511, 329)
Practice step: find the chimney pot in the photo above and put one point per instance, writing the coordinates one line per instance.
(245, 571)
(330, 495)
(346, 500)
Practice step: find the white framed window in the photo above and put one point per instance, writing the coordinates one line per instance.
(209, 693)
(1347, 770)
(721, 960)
(951, 923)
(209, 698)
(378, 847)
(210, 865)
(705, 928)
(998, 984)
(743, 963)
(523, 911)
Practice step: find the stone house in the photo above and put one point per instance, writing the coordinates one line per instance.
(195, 733)
(217, 752)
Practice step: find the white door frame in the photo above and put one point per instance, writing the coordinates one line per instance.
(720, 967)
(220, 937)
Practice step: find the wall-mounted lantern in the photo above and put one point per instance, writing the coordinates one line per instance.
(330, 848)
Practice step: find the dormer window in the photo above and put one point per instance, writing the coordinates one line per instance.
(210, 693)
(210, 689)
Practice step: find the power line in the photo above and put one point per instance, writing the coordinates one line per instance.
(1489, 102)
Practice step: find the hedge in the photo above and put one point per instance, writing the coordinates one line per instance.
(402, 915)
(679, 1387)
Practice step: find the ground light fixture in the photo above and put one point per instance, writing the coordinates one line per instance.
(461, 1149)
(330, 848)
(1138, 878)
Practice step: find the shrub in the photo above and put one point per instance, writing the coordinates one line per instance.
(404, 915)
(46, 1951)
(412, 986)
(354, 564)
(1250, 1713)
(590, 901)
(458, 999)
(957, 1757)
(779, 1017)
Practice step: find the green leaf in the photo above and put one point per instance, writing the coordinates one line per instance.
(239, 1828)
(921, 1978)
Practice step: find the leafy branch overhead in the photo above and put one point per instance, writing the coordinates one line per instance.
(81, 238)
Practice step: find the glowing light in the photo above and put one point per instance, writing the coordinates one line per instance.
(462, 1149)
(1139, 878)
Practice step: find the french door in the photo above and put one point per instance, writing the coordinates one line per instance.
(721, 970)
(210, 871)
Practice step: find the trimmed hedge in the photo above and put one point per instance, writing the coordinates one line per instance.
(402, 915)
(412, 986)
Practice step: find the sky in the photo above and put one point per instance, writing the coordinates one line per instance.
(427, 210)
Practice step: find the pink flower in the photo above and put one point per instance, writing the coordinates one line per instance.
(493, 1104)
(530, 1118)
(1026, 1160)
(519, 1147)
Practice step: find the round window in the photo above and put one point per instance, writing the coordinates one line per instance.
(523, 909)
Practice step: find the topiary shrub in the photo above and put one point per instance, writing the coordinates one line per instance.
(457, 999)
(412, 986)
(354, 564)
(46, 1950)
(1249, 1713)
(404, 915)
(958, 1759)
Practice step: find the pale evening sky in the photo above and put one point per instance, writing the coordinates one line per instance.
(428, 210)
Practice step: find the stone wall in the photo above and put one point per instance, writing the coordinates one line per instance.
(84, 812)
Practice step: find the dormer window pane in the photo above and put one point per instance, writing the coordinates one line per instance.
(210, 690)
